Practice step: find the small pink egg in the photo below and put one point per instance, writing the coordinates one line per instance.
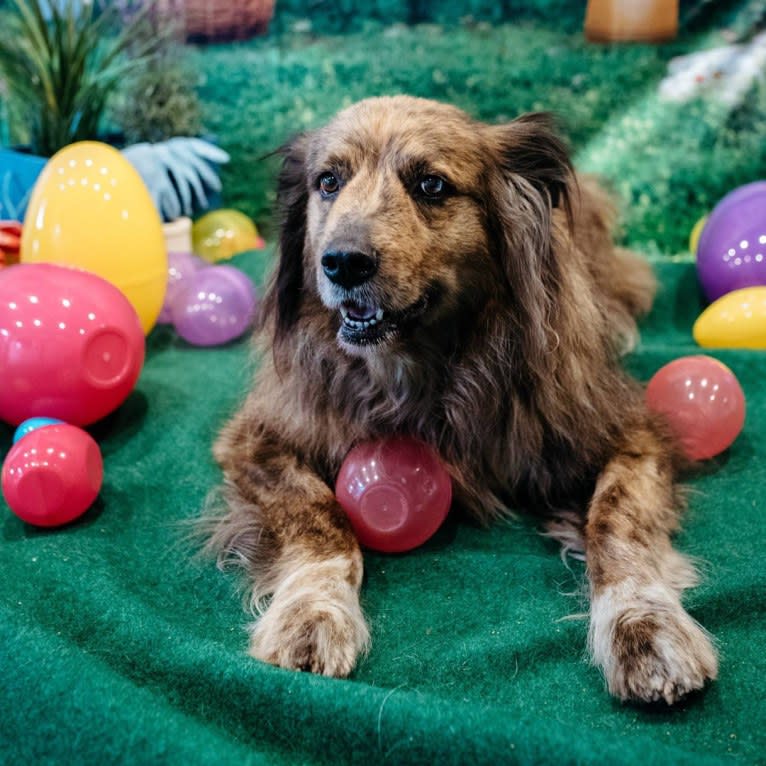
(52, 475)
(702, 401)
(395, 492)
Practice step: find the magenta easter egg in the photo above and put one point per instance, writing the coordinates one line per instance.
(52, 475)
(71, 345)
(395, 492)
(215, 305)
(702, 401)
(731, 253)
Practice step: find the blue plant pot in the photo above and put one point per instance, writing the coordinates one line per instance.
(18, 174)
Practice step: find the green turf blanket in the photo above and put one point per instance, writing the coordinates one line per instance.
(117, 647)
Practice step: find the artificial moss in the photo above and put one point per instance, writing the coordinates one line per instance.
(669, 162)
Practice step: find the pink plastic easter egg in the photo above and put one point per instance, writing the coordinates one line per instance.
(52, 475)
(395, 492)
(71, 345)
(702, 401)
(215, 305)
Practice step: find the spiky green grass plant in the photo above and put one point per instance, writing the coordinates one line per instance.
(62, 61)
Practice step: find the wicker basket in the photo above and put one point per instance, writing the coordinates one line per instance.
(216, 20)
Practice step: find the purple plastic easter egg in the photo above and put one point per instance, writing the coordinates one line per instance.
(180, 267)
(732, 247)
(215, 305)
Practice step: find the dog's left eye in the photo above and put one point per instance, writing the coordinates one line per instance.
(433, 187)
(328, 184)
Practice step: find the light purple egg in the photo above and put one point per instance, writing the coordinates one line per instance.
(732, 247)
(215, 305)
(180, 267)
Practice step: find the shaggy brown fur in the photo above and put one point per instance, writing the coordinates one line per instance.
(501, 307)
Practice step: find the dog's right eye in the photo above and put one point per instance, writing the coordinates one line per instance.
(432, 186)
(328, 184)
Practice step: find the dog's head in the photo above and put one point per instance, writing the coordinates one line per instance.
(402, 212)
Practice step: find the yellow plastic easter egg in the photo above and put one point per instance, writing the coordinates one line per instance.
(735, 320)
(90, 209)
(694, 237)
(221, 234)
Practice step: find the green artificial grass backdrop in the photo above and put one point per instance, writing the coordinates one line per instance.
(116, 646)
(670, 162)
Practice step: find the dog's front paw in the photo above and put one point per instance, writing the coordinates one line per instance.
(653, 654)
(320, 633)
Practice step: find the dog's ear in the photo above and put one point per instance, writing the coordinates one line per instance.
(282, 302)
(531, 148)
(531, 174)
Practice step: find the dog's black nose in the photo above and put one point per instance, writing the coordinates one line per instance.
(348, 269)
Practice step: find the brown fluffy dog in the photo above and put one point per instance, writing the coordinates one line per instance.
(456, 282)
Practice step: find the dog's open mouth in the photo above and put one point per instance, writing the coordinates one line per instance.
(366, 324)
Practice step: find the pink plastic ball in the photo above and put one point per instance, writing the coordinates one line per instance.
(52, 475)
(396, 493)
(71, 345)
(702, 401)
(214, 305)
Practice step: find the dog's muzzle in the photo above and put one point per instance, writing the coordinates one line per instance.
(367, 324)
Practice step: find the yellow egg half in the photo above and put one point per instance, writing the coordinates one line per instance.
(90, 209)
(694, 237)
(221, 234)
(735, 320)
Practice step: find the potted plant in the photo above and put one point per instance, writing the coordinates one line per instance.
(159, 112)
(60, 62)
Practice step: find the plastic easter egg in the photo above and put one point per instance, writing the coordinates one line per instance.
(702, 401)
(71, 346)
(732, 249)
(694, 237)
(395, 492)
(52, 475)
(90, 209)
(737, 320)
(180, 267)
(221, 234)
(215, 305)
(10, 242)
(32, 424)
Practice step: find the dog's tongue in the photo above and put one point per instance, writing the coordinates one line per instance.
(360, 312)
